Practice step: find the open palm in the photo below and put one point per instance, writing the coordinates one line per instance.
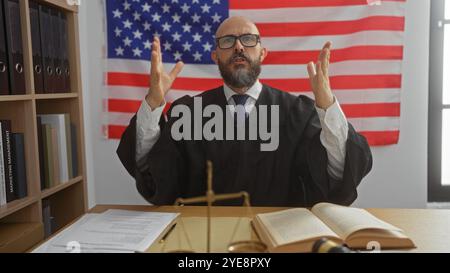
(160, 81)
(318, 77)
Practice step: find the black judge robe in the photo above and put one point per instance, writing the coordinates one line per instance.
(293, 175)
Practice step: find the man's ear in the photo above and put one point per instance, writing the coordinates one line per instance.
(214, 56)
(264, 53)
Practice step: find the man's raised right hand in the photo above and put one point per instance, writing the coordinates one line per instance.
(160, 81)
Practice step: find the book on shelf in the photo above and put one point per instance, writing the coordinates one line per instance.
(296, 230)
(69, 145)
(18, 165)
(13, 180)
(73, 139)
(2, 171)
(57, 149)
(48, 166)
(56, 157)
(57, 122)
(7, 160)
(42, 162)
(47, 218)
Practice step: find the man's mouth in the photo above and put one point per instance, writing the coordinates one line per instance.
(239, 60)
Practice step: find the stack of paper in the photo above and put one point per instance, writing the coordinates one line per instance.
(112, 231)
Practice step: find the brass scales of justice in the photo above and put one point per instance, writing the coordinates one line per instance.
(210, 197)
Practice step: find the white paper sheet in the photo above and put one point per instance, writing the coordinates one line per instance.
(112, 231)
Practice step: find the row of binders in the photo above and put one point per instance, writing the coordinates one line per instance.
(49, 36)
(13, 178)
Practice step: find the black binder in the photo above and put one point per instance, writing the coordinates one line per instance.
(47, 48)
(57, 51)
(38, 70)
(65, 53)
(13, 29)
(4, 76)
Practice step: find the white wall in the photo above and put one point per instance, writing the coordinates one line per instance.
(399, 174)
(109, 183)
(83, 26)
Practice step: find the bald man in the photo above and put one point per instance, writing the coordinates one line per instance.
(319, 156)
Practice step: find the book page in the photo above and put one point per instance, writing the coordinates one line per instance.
(346, 220)
(294, 225)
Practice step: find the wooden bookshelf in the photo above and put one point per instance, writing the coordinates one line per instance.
(56, 189)
(69, 199)
(55, 96)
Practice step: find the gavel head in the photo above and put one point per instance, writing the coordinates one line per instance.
(325, 245)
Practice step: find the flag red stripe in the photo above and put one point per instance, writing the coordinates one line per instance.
(350, 110)
(339, 82)
(388, 23)
(337, 55)
(268, 4)
(127, 79)
(378, 138)
(368, 110)
(196, 84)
(374, 138)
(123, 106)
(115, 131)
(289, 85)
(142, 80)
(168, 105)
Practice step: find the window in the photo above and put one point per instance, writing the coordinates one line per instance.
(439, 103)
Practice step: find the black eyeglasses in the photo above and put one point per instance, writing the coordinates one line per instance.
(228, 41)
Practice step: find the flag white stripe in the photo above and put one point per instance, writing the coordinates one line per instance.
(363, 38)
(319, 14)
(375, 124)
(176, 94)
(361, 96)
(210, 71)
(121, 119)
(363, 67)
(135, 93)
(126, 92)
(343, 96)
(129, 66)
(368, 96)
(360, 124)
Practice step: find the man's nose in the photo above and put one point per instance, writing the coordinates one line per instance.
(238, 47)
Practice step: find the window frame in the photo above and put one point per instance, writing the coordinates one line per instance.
(436, 191)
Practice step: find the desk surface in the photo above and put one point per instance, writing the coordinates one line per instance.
(428, 228)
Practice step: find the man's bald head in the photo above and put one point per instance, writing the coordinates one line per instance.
(239, 65)
(236, 25)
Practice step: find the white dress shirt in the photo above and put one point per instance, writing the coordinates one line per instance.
(333, 136)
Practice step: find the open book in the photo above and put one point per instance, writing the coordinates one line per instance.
(296, 230)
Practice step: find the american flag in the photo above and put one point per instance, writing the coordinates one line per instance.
(366, 59)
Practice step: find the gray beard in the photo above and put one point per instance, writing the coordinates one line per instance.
(240, 77)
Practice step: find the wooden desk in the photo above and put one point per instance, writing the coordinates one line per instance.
(428, 228)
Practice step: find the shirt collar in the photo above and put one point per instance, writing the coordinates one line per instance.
(253, 92)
